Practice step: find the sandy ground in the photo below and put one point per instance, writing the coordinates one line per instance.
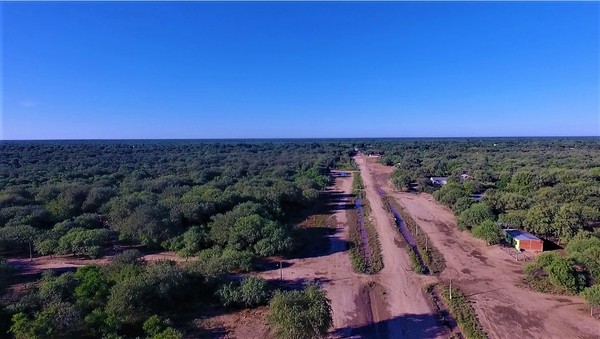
(410, 315)
(491, 278)
(61, 262)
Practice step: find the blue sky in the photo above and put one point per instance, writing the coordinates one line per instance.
(299, 69)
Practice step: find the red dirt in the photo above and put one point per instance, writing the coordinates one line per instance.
(490, 278)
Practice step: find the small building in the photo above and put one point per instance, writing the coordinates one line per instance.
(524, 240)
(439, 180)
(465, 176)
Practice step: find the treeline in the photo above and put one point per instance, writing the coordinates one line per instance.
(547, 186)
(78, 197)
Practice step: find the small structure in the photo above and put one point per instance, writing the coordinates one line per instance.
(439, 180)
(524, 240)
(465, 176)
(477, 196)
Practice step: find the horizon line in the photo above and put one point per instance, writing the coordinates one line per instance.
(311, 138)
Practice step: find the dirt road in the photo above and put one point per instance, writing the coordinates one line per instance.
(354, 311)
(491, 278)
(410, 315)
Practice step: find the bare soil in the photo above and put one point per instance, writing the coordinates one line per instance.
(490, 278)
(66, 262)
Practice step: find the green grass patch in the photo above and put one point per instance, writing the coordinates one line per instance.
(356, 250)
(414, 260)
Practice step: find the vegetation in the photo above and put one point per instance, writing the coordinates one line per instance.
(373, 239)
(301, 314)
(250, 292)
(462, 311)
(226, 203)
(358, 258)
(553, 273)
(488, 231)
(414, 261)
(592, 296)
(433, 259)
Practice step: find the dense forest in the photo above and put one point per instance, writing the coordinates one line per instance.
(226, 203)
(547, 186)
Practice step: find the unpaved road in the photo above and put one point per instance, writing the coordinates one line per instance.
(491, 279)
(409, 313)
(355, 305)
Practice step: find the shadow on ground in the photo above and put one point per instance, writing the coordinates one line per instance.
(417, 326)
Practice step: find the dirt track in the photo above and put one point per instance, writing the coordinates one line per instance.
(491, 278)
(410, 314)
(355, 305)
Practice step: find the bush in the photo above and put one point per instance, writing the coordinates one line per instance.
(552, 273)
(301, 314)
(562, 273)
(250, 292)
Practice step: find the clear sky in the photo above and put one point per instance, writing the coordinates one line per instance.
(299, 69)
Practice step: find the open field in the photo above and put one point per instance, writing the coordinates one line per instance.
(490, 278)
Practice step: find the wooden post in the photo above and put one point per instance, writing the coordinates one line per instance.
(450, 288)
(280, 271)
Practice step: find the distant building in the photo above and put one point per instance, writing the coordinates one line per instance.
(439, 180)
(524, 240)
(477, 197)
(464, 177)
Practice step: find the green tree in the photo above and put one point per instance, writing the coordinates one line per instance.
(21, 234)
(80, 241)
(402, 180)
(474, 215)
(157, 328)
(488, 231)
(540, 219)
(584, 248)
(94, 287)
(461, 205)
(592, 296)
(568, 221)
(301, 314)
(562, 273)
(22, 326)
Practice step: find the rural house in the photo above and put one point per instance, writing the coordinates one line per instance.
(439, 180)
(523, 240)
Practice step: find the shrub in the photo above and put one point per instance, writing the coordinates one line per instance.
(301, 314)
(250, 292)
